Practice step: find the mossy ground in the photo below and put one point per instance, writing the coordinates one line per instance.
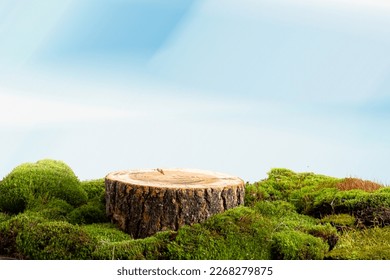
(47, 213)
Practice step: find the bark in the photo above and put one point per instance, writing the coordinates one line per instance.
(144, 202)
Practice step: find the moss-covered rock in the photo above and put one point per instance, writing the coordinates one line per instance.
(196, 243)
(45, 178)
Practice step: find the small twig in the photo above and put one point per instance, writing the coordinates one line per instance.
(161, 171)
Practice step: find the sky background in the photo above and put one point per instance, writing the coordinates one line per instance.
(235, 86)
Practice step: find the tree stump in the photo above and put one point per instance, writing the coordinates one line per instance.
(143, 202)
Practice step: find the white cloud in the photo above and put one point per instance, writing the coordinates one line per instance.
(21, 110)
(92, 104)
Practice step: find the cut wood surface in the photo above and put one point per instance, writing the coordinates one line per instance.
(143, 202)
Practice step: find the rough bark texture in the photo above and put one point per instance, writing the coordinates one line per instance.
(143, 202)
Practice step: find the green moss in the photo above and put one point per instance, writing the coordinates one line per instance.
(239, 233)
(326, 232)
(278, 208)
(4, 217)
(384, 190)
(14, 198)
(295, 245)
(359, 200)
(284, 216)
(259, 191)
(95, 189)
(304, 198)
(287, 180)
(95, 210)
(282, 183)
(260, 232)
(122, 250)
(54, 209)
(340, 221)
(105, 233)
(289, 215)
(196, 243)
(150, 248)
(45, 178)
(367, 244)
(10, 229)
(369, 208)
(55, 241)
(92, 212)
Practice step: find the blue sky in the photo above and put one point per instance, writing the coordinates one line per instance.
(233, 86)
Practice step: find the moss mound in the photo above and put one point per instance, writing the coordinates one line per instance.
(53, 209)
(95, 189)
(55, 240)
(295, 245)
(282, 183)
(105, 233)
(92, 212)
(43, 179)
(10, 230)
